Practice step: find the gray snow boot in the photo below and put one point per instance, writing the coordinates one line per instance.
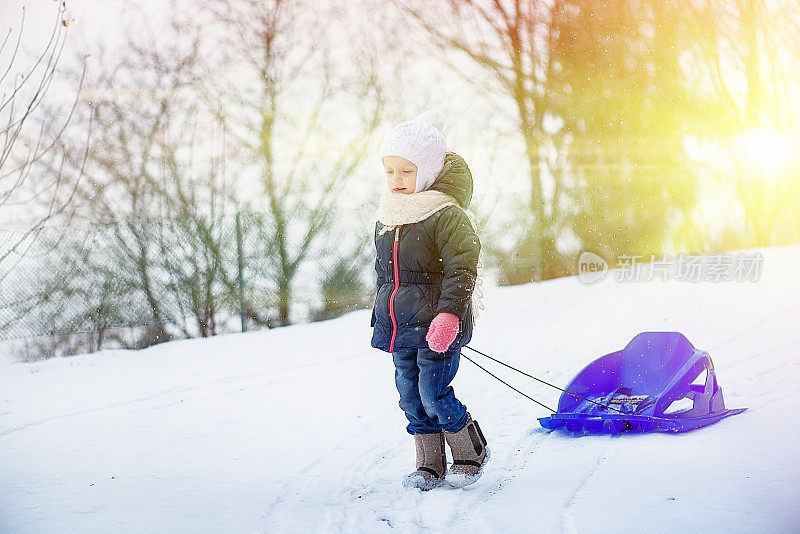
(470, 454)
(431, 462)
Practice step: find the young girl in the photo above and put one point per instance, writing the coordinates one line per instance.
(427, 260)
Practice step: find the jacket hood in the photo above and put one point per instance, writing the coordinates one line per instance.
(455, 179)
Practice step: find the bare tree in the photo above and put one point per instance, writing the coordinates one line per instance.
(150, 238)
(28, 134)
(150, 231)
(579, 77)
(509, 39)
(282, 101)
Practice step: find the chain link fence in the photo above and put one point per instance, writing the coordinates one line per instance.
(133, 282)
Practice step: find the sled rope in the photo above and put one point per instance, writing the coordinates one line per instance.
(506, 383)
(535, 378)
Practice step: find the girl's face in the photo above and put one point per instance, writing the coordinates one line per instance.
(401, 174)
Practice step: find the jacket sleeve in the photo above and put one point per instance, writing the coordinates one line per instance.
(377, 276)
(377, 262)
(459, 247)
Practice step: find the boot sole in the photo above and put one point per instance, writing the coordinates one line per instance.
(460, 480)
(421, 483)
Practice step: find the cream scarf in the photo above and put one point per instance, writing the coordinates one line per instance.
(397, 208)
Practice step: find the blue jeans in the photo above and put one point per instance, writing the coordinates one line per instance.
(423, 380)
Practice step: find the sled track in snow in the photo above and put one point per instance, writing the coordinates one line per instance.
(516, 462)
(568, 514)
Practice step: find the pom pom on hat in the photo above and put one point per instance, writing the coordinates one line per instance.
(421, 142)
(433, 118)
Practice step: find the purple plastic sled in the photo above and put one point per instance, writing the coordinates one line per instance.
(657, 384)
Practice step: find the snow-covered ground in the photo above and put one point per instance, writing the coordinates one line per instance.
(298, 429)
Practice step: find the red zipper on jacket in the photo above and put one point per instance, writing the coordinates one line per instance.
(394, 291)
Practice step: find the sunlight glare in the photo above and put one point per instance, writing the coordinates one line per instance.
(763, 152)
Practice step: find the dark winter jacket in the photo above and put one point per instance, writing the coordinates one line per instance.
(437, 262)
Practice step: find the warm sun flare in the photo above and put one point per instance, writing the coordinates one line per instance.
(763, 152)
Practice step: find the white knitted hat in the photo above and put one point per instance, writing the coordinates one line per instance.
(421, 142)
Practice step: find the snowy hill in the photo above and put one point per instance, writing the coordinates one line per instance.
(298, 429)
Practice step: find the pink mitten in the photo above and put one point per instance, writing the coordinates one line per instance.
(442, 332)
